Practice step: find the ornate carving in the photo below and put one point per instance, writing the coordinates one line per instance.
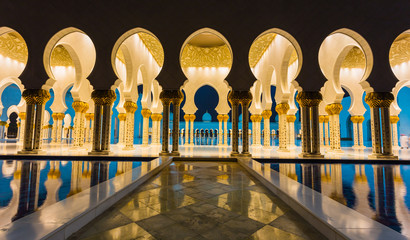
(379, 99)
(194, 56)
(394, 119)
(103, 97)
(156, 117)
(192, 117)
(167, 96)
(282, 108)
(22, 116)
(80, 106)
(290, 118)
(61, 116)
(154, 47)
(267, 114)
(146, 113)
(259, 47)
(226, 117)
(400, 51)
(334, 108)
(61, 57)
(12, 45)
(309, 99)
(36, 96)
(130, 107)
(357, 119)
(221, 117)
(354, 59)
(122, 116)
(321, 119)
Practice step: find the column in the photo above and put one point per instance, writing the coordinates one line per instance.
(395, 135)
(220, 118)
(258, 119)
(187, 129)
(266, 128)
(78, 123)
(379, 103)
(335, 109)
(22, 117)
(192, 120)
(245, 100)
(291, 121)
(176, 102)
(360, 124)
(55, 124)
(326, 123)
(35, 100)
(103, 100)
(156, 125)
(130, 108)
(146, 113)
(331, 134)
(234, 100)
(166, 98)
(88, 118)
(321, 123)
(253, 130)
(309, 103)
(355, 132)
(282, 110)
(121, 136)
(225, 122)
(60, 127)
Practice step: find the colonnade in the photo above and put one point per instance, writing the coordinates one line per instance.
(80, 109)
(57, 131)
(256, 130)
(333, 111)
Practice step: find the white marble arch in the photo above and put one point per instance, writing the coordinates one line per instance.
(332, 53)
(4, 83)
(256, 105)
(402, 73)
(273, 68)
(139, 68)
(82, 52)
(12, 109)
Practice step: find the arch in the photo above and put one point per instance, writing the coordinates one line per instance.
(13, 62)
(12, 109)
(399, 57)
(332, 54)
(4, 83)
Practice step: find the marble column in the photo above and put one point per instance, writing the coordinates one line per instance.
(334, 110)
(192, 120)
(266, 128)
(234, 100)
(60, 127)
(321, 123)
(395, 134)
(379, 103)
(103, 100)
(282, 110)
(35, 101)
(309, 102)
(326, 124)
(156, 125)
(22, 117)
(130, 108)
(80, 108)
(220, 118)
(360, 124)
(176, 102)
(146, 113)
(90, 124)
(187, 129)
(245, 100)
(166, 99)
(121, 136)
(355, 132)
(55, 128)
(291, 133)
(253, 130)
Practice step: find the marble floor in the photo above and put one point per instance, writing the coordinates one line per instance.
(53, 149)
(200, 200)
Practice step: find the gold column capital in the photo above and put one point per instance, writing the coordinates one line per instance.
(290, 118)
(146, 113)
(240, 97)
(130, 107)
(103, 97)
(89, 116)
(253, 118)
(220, 117)
(192, 117)
(309, 99)
(80, 106)
(321, 118)
(36, 96)
(256, 117)
(156, 117)
(282, 108)
(187, 117)
(394, 119)
(226, 117)
(326, 119)
(122, 116)
(267, 114)
(55, 116)
(357, 119)
(61, 116)
(334, 108)
(22, 116)
(379, 99)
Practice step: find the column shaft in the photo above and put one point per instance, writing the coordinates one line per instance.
(165, 127)
(97, 128)
(245, 126)
(175, 128)
(386, 131)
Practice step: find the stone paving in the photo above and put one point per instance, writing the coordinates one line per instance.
(200, 200)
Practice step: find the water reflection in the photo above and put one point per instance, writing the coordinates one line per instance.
(378, 191)
(28, 186)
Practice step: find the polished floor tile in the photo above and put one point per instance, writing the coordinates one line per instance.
(200, 200)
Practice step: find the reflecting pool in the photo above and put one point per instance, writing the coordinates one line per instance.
(380, 192)
(28, 186)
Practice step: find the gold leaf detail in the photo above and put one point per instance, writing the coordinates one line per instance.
(259, 47)
(193, 56)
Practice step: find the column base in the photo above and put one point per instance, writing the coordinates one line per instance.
(99, 153)
(382, 156)
(396, 148)
(76, 148)
(358, 147)
(283, 150)
(244, 154)
(256, 145)
(128, 148)
(145, 145)
(175, 154)
(235, 154)
(34, 151)
(336, 151)
(311, 155)
(169, 154)
(267, 147)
